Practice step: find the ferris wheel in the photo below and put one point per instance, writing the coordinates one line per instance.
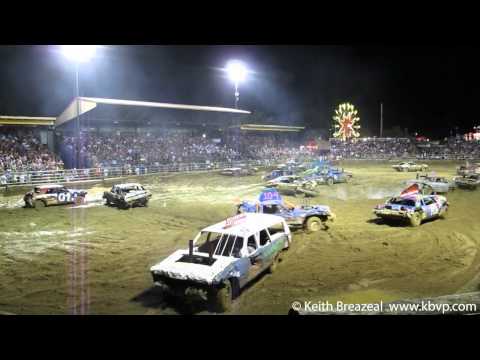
(346, 122)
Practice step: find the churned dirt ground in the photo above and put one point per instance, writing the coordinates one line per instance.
(94, 259)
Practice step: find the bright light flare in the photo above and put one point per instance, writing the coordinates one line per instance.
(237, 72)
(79, 53)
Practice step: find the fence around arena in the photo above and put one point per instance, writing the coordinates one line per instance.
(105, 173)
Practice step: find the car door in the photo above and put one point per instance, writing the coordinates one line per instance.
(259, 259)
(63, 196)
(51, 197)
(430, 207)
(244, 266)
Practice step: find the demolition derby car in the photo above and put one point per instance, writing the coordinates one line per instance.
(410, 166)
(468, 182)
(53, 194)
(127, 195)
(239, 171)
(224, 257)
(275, 174)
(468, 169)
(292, 185)
(436, 183)
(311, 217)
(285, 179)
(413, 207)
(327, 175)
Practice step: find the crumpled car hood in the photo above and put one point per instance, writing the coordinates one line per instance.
(209, 274)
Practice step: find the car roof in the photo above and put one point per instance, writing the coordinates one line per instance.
(127, 185)
(414, 198)
(49, 186)
(245, 224)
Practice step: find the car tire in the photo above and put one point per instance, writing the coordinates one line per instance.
(29, 203)
(329, 181)
(299, 193)
(443, 213)
(40, 204)
(313, 224)
(221, 299)
(416, 219)
(273, 266)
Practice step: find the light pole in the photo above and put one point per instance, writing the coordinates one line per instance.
(78, 261)
(78, 54)
(237, 72)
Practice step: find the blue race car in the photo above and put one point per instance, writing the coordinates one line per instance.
(328, 175)
(310, 217)
(412, 206)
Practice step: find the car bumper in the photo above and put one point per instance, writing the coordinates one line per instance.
(392, 214)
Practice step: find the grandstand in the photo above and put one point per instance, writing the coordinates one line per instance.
(128, 133)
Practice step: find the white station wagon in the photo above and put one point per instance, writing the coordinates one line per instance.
(224, 257)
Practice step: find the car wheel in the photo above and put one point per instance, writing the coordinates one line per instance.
(273, 266)
(313, 224)
(416, 219)
(29, 202)
(330, 182)
(300, 193)
(40, 204)
(221, 299)
(443, 213)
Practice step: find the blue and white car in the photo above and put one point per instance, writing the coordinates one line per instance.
(309, 217)
(413, 207)
(328, 175)
(53, 194)
(224, 257)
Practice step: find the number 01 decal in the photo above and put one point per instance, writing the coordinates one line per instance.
(64, 197)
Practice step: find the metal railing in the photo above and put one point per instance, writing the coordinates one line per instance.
(409, 158)
(104, 173)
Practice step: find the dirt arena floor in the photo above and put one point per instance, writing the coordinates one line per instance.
(95, 259)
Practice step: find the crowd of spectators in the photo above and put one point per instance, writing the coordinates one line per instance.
(109, 150)
(453, 148)
(372, 148)
(22, 152)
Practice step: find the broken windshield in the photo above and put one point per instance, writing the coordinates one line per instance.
(402, 201)
(219, 244)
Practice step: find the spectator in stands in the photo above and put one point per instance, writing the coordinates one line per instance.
(24, 152)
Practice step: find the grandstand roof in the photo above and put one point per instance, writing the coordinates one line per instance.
(111, 109)
(27, 120)
(263, 127)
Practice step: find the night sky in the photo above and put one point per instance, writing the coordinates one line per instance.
(431, 90)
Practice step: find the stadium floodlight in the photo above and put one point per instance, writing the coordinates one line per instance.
(79, 53)
(237, 72)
